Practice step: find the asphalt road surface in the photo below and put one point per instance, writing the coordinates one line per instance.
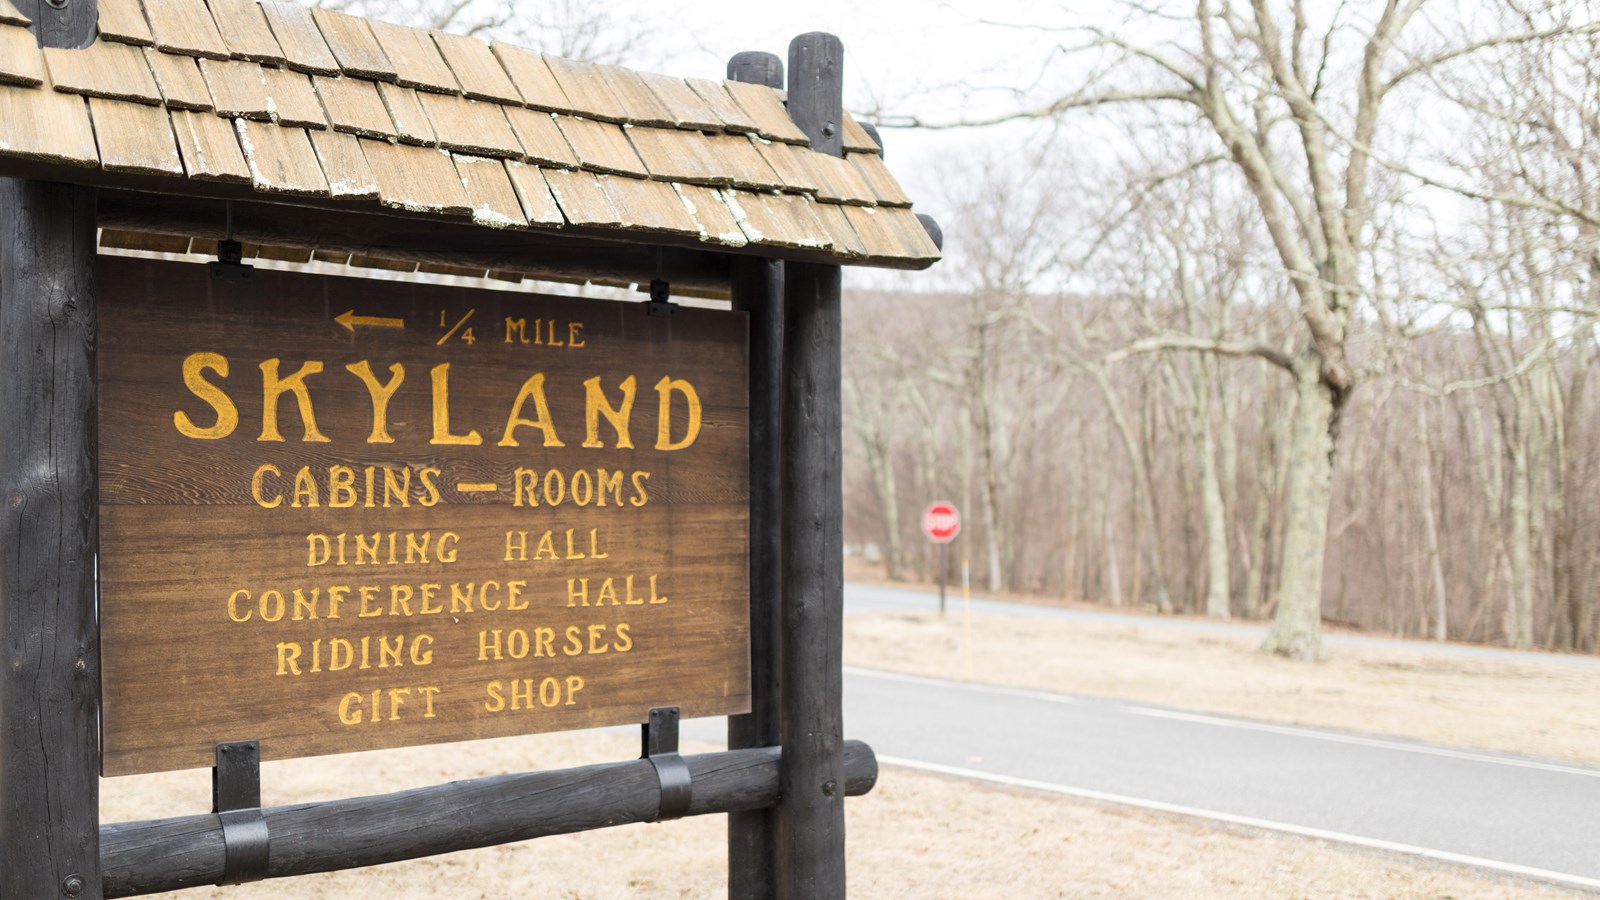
(1513, 814)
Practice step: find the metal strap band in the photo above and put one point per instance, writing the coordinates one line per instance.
(246, 846)
(677, 786)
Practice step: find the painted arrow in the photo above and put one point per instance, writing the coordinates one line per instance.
(350, 320)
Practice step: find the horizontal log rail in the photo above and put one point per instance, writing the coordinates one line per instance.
(169, 854)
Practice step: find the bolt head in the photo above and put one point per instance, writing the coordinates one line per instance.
(72, 885)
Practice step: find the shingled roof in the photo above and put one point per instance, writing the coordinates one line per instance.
(299, 104)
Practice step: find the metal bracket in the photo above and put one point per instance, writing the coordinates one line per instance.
(660, 303)
(230, 263)
(661, 748)
(236, 799)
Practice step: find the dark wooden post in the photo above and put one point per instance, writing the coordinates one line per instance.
(758, 290)
(64, 23)
(49, 690)
(811, 813)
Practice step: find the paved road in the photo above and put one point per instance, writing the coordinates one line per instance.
(1518, 815)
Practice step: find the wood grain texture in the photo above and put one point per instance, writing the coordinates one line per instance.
(353, 45)
(764, 105)
(476, 69)
(123, 20)
(186, 28)
(639, 104)
(411, 121)
(601, 146)
(473, 126)
(841, 233)
(182, 86)
(689, 110)
(171, 854)
(20, 59)
(417, 179)
(737, 156)
(716, 96)
(856, 138)
(103, 69)
(244, 29)
(583, 201)
(238, 88)
(538, 205)
(281, 159)
(533, 78)
(299, 37)
(67, 25)
(134, 138)
(187, 524)
(210, 147)
(778, 220)
(291, 101)
(541, 139)
(752, 835)
(489, 192)
(885, 189)
(716, 221)
(888, 232)
(354, 106)
(670, 154)
(416, 59)
(837, 180)
(648, 205)
(811, 817)
(810, 822)
(345, 165)
(789, 164)
(49, 792)
(588, 89)
(45, 125)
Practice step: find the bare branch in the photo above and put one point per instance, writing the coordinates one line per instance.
(1163, 342)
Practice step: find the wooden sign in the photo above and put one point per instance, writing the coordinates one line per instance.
(343, 514)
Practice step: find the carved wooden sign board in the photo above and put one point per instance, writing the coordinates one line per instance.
(345, 514)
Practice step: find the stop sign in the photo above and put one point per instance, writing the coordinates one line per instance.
(942, 522)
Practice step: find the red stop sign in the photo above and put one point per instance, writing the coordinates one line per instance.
(942, 522)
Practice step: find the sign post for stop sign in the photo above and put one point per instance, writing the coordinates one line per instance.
(941, 523)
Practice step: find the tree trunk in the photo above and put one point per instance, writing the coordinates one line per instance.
(1217, 575)
(1297, 623)
(1519, 611)
(1430, 527)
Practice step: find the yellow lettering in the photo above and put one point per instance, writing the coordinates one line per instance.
(273, 387)
(194, 366)
(596, 405)
(256, 486)
(441, 412)
(381, 394)
(532, 389)
(666, 387)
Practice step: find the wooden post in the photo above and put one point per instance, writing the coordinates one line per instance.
(66, 23)
(758, 290)
(811, 813)
(49, 690)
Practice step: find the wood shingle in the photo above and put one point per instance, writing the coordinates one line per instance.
(103, 69)
(310, 102)
(476, 69)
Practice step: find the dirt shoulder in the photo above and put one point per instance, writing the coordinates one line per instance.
(1537, 709)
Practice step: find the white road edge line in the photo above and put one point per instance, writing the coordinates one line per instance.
(1266, 824)
(1359, 741)
(1046, 696)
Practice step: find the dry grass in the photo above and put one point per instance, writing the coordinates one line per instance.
(922, 835)
(1538, 709)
